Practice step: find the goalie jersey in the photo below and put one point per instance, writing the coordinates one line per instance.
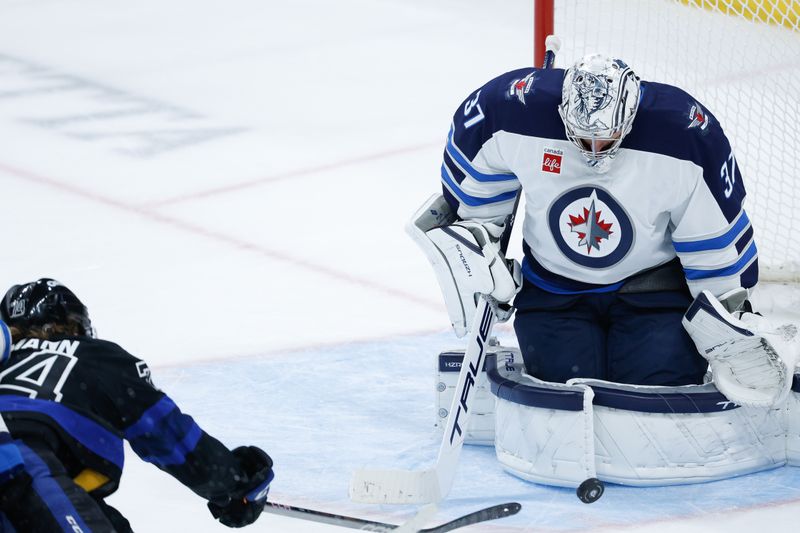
(673, 190)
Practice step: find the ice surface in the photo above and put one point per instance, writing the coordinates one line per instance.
(225, 184)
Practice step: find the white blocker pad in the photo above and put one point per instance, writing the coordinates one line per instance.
(467, 261)
(560, 434)
(436, 212)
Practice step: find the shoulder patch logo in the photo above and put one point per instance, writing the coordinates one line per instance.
(551, 160)
(698, 117)
(520, 87)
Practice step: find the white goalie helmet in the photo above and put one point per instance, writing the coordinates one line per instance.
(599, 99)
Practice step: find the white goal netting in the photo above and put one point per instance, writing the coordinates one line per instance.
(741, 58)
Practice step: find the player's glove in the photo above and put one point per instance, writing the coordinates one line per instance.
(247, 502)
(752, 360)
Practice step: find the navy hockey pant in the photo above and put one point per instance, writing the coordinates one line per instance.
(626, 338)
(53, 502)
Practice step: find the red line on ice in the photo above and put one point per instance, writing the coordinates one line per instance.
(219, 237)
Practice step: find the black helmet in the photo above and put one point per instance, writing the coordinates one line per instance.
(44, 301)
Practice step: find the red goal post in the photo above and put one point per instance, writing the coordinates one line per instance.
(741, 58)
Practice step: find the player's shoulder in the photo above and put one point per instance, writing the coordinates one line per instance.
(672, 122)
(523, 101)
(92, 347)
(93, 352)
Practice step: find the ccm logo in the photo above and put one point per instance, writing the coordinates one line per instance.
(551, 161)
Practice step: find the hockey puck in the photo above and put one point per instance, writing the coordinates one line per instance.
(590, 490)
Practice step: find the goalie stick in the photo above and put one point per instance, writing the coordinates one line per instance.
(489, 513)
(434, 484)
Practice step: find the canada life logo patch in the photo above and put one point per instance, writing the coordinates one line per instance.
(551, 160)
(590, 227)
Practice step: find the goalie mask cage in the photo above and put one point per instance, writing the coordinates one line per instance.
(741, 59)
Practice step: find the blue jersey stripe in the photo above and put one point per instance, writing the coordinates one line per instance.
(552, 284)
(99, 440)
(474, 201)
(150, 419)
(50, 492)
(163, 435)
(456, 173)
(176, 454)
(476, 174)
(10, 459)
(715, 243)
(740, 264)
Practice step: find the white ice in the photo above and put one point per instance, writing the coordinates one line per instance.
(225, 184)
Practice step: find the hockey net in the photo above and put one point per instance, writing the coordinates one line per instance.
(741, 58)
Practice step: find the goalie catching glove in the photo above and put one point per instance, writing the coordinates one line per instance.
(468, 262)
(752, 362)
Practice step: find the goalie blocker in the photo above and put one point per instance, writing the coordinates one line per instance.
(560, 434)
(467, 260)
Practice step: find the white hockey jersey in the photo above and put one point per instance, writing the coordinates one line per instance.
(673, 189)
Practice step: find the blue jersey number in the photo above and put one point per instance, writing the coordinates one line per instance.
(472, 107)
(728, 174)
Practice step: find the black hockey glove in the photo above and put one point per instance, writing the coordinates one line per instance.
(249, 499)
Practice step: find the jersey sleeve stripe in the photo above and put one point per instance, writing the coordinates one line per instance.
(468, 199)
(714, 259)
(150, 418)
(740, 265)
(740, 225)
(463, 162)
(163, 435)
(457, 174)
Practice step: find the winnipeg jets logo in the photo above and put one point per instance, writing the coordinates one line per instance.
(519, 88)
(591, 230)
(590, 227)
(698, 117)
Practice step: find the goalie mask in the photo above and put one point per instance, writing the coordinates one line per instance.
(44, 301)
(599, 99)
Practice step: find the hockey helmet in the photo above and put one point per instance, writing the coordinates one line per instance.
(599, 99)
(44, 301)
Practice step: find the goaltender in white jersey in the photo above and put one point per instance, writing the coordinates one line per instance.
(633, 209)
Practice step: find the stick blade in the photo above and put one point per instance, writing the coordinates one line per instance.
(394, 486)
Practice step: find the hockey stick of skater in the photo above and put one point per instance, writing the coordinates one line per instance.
(434, 484)
(489, 513)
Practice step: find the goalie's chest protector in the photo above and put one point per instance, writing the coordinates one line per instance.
(597, 228)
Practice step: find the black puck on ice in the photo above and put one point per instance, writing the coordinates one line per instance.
(590, 490)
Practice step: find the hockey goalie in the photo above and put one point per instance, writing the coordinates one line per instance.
(640, 358)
